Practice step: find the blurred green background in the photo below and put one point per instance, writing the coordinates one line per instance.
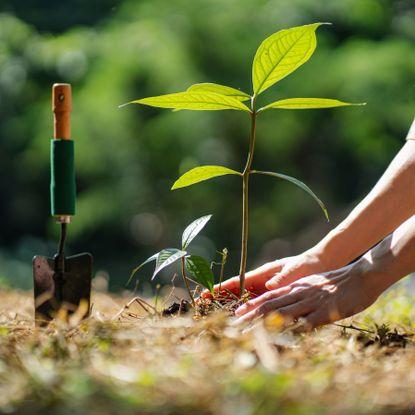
(113, 51)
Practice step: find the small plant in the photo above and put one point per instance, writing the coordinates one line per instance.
(277, 56)
(193, 267)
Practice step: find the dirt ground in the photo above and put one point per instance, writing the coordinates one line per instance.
(134, 362)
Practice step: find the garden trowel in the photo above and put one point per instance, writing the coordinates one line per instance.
(62, 285)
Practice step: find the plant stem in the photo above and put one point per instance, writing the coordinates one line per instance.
(157, 296)
(245, 199)
(186, 282)
(222, 267)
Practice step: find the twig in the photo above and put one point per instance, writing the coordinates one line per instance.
(142, 303)
(167, 300)
(352, 327)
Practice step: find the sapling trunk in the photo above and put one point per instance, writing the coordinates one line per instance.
(278, 56)
(245, 199)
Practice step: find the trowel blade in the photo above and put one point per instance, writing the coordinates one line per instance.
(69, 292)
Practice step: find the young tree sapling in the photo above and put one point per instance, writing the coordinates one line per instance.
(278, 56)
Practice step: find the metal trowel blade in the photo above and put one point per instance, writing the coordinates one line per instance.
(62, 293)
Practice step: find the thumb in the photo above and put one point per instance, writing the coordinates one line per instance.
(285, 277)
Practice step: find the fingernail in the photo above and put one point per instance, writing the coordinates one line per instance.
(271, 284)
(240, 310)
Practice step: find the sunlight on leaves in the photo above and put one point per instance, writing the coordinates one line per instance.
(136, 269)
(200, 271)
(299, 184)
(201, 173)
(166, 257)
(199, 101)
(307, 103)
(282, 53)
(220, 89)
(193, 230)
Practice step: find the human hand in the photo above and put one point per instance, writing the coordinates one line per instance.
(317, 299)
(274, 274)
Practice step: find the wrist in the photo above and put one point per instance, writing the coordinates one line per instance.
(336, 249)
(379, 268)
(321, 258)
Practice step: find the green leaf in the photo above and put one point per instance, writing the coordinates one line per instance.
(193, 229)
(299, 184)
(167, 257)
(307, 103)
(135, 270)
(201, 173)
(282, 53)
(200, 271)
(188, 100)
(220, 89)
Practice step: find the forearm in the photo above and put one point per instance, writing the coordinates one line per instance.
(392, 259)
(390, 203)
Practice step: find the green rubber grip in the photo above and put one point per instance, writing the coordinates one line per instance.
(62, 178)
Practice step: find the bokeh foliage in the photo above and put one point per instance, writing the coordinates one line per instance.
(128, 159)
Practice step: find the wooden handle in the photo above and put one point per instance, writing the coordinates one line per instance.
(62, 107)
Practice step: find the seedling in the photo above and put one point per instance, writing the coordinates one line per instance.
(278, 56)
(194, 266)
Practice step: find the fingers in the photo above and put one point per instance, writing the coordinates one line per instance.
(309, 301)
(288, 274)
(229, 286)
(254, 280)
(319, 317)
(316, 300)
(279, 294)
(289, 312)
(232, 285)
(267, 270)
(313, 320)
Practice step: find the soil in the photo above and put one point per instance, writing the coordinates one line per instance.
(129, 359)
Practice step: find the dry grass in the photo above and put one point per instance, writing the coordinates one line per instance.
(178, 365)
